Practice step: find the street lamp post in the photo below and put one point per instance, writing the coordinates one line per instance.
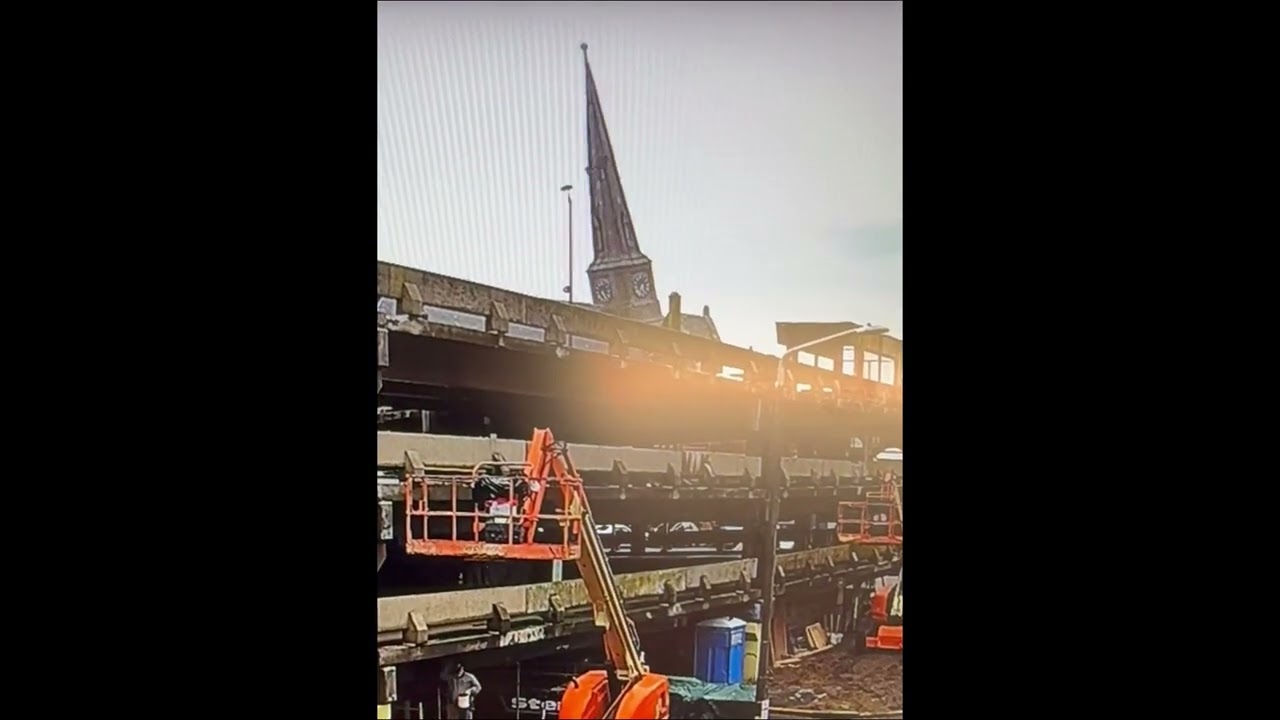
(569, 196)
(771, 468)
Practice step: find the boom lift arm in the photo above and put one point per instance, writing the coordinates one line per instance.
(591, 696)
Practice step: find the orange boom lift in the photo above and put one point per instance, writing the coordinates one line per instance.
(876, 521)
(507, 528)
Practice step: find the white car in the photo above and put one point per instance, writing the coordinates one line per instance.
(603, 530)
(786, 546)
(889, 455)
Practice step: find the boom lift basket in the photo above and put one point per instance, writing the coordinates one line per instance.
(626, 689)
(874, 520)
(486, 516)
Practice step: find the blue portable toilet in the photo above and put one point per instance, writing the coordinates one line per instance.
(718, 647)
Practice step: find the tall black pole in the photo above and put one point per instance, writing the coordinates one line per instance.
(770, 423)
(570, 198)
(771, 474)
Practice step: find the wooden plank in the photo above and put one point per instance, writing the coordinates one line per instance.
(795, 659)
(778, 633)
(817, 636)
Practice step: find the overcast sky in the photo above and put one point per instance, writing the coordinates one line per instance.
(759, 144)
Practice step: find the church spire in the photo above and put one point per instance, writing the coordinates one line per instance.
(621, 276)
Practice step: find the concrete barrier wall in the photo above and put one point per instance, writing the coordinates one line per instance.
(448, 450)
(807, 466)
(451, 450)
(464, 605)
(601, 457)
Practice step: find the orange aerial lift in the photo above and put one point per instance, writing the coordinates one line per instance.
(876, 521)
(886, 613)
(508, 500)
(626, 690)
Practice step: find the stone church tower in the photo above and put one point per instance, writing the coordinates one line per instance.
(621, 276)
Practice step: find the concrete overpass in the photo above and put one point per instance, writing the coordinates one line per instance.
(547, 617)
(490, 360)
(640, 487)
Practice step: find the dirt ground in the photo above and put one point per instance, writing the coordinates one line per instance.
(867, 682)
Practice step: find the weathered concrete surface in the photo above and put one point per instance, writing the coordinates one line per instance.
(389, 491)
(577, 630)
(449, 450)
(810, 466)
(601, 457)
(451, 607)
(641, 584)
(576, 627)
(464, 605)
(837, 554)
(445, 449)
(731, 464)
(494, 310)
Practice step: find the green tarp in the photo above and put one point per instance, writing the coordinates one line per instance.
(693, 699)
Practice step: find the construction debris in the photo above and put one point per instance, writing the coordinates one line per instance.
(867, 682)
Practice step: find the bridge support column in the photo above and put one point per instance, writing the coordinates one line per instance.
(386, 691)
(767, 568)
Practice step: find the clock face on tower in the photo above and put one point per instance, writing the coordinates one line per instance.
(603, 290)
(640, 285)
